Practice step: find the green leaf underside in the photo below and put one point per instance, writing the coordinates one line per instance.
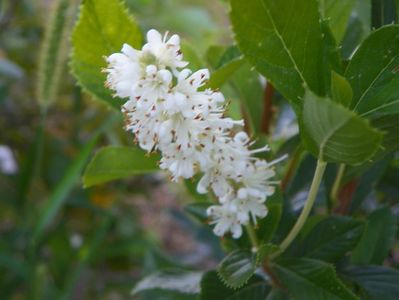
(377, 239)
(103, 27)
(341, 136)
(308, 279)
(332, 238)
(183, 282)
(373, 73)
(341, 91)
(378, 282)
(283, 40)
(236, 268)
(212, 288)
(116, 162)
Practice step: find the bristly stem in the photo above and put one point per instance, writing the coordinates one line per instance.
(317, 177)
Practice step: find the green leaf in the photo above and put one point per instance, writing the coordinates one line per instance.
(236, 268)
(338, 13)
(341, 91)
(377, 239)
(378, 282)
(221, 75)
(212, 288)
(339, 134)
(183, 282)
(288, 58)
(103, 27)
(373, 73)
(114, 162)
(249, 89)
(332, 238)
(390, 126)
(309, 279)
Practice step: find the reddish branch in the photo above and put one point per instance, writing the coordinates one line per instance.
(345, 197)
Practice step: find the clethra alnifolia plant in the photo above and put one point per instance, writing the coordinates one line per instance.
(342, 85)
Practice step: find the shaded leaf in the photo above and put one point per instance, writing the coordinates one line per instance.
(341, 91)
(212, 288)
(332, 238)
(103, 27)
(339, 134)
(308, 279)
(115, 162)
(338, 13)
(378, 282)
(236, 268)
(377, 239)
(279, 54)
(374, 75)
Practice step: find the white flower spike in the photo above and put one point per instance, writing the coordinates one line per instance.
(168, 110)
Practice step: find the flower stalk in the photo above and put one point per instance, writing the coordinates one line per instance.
(317, 177)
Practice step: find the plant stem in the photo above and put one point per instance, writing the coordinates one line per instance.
(318, 175)
(337, 184)
(252, 237)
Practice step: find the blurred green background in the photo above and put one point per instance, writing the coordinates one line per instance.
(58, 240)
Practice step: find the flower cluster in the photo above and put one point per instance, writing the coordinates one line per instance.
(169, 110)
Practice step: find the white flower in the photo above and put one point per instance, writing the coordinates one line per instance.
(165, 52)
(151, 90)
(123, 71)
(225, 218)
(249, 205)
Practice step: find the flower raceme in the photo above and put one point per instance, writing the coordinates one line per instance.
(169, 111)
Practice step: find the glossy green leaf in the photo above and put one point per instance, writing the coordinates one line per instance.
(332, 238)
(236, 268)
(378, 282)
(212, 288)
(221, 75)
(309, 279)
(103, 27)
(338, 13)
(116, 162)
(339, 134)
(377, 239)
(183, 282)
(288, 58)
(373, 73)
(341, 90)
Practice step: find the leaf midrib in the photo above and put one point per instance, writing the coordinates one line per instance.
(280, 37)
